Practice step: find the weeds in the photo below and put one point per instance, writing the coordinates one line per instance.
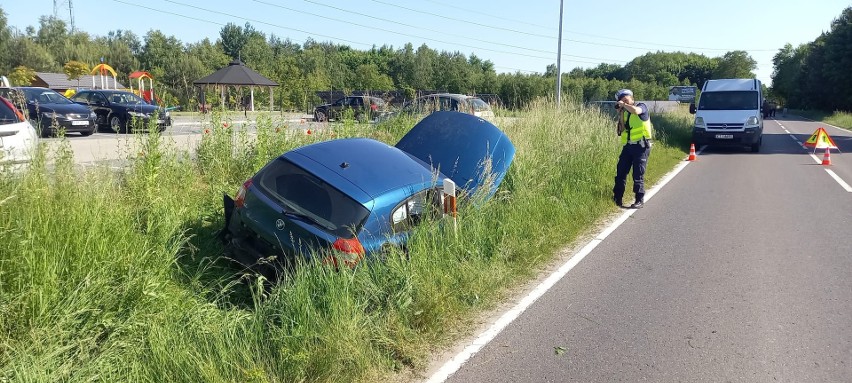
(117, 275)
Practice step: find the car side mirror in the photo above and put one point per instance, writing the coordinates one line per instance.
(691, 108)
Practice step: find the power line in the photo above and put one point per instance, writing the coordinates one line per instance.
(363, 26)
(551, 37)
(349, 22)
(479, 12)
(262, 22)
(399, 23)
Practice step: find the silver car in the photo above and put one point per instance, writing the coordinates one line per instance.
(449, 102)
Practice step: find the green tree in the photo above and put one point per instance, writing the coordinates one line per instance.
(22, 76)
(5, 43)
(233, 38)
(735, 64)
(75, 69)
(30, 54)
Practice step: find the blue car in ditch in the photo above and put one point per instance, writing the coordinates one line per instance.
(351, 198)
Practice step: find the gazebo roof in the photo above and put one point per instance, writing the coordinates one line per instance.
(236, 73)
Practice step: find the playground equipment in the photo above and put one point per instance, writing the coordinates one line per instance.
(102, 69)
(147, 93)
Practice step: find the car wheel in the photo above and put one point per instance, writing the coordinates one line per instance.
(320, 116)
(117, 124)
(42, 131)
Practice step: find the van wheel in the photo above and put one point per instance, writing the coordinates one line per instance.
(756, 147)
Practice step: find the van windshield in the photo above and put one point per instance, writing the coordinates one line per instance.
(730, 100)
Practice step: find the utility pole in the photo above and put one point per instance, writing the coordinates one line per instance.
(59, 8)
(559, 61)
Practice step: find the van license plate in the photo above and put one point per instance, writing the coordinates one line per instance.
(724, 136)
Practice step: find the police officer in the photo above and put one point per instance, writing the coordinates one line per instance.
(634, 128)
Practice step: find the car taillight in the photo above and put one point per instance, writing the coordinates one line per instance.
(374, 107)
(351, 249)
(11, 106)
(240, 199)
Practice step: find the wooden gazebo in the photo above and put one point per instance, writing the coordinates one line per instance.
(237, 74)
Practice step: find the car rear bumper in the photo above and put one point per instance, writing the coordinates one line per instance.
(245, 247)
(726, 138)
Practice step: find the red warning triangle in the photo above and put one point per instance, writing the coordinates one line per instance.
(820, 139)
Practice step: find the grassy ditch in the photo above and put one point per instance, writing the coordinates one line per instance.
(116, 275)
(837, 118)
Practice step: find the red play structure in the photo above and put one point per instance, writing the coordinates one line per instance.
(146, 92)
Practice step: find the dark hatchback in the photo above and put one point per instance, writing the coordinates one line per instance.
(354, 197)
(362, 108)
(49, 111)
(120, 110)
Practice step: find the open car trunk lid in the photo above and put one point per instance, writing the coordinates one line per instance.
(469, 150)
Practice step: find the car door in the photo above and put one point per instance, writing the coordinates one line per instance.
(469, 150)
(335, 109)
(101, 106)
(82, 98)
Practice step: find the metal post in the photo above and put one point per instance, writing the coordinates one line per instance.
(559, 61)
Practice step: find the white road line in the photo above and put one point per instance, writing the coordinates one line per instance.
(839, 180)
(508, 317)
(830, 172)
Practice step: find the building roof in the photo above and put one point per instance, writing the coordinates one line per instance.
(236, 73)
(61, 81)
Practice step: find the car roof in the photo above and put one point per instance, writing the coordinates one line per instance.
(371, 167)
(453, 95)
(32, 87)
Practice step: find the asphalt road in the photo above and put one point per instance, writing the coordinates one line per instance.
(107, 147)
(739, 269)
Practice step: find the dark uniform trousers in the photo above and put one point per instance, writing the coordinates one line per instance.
(635, 156)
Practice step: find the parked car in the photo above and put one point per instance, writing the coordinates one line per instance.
(448, 102)
(119, 109)
(363, 108)
(49, 111)
(357, 196)
(17, 137)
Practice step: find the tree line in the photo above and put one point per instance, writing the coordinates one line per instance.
(816, 75)
(303, 69)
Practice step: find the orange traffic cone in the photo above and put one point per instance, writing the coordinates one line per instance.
(826, 158)
(691, 152)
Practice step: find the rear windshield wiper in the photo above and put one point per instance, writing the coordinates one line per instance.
(296, 215)
(305, 218)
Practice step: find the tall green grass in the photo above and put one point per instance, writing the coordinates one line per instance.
(836, 118)
(116, 275)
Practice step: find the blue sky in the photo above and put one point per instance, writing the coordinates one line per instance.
(514, 35)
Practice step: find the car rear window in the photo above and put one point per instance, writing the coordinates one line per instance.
(303, 193)
(7, 114)
(479, 105)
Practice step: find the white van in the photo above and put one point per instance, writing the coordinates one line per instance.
(728, 113)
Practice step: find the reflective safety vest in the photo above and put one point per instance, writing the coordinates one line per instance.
(634, 128)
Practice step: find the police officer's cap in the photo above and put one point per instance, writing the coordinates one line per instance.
(623, 92)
